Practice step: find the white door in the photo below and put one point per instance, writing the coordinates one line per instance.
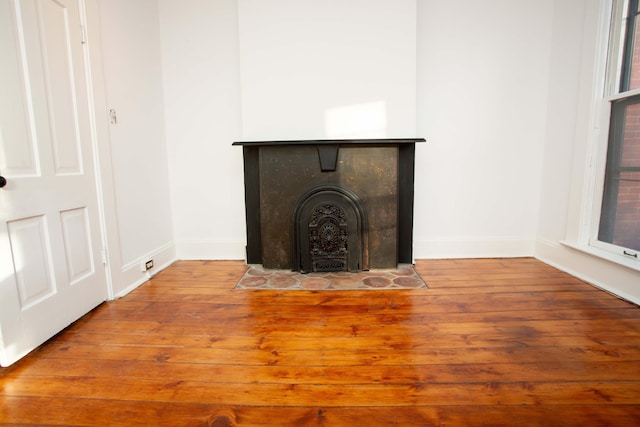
(51, 269)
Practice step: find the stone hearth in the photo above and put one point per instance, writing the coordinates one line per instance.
(403, 277)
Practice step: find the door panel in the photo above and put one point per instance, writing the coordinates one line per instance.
(49, 226)
(55, 36)
(17, 159)
(31, 259)
(77, 244)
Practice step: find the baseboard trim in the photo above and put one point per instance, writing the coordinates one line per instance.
(132, 275)
(599, 272)
(210, 249)
(473, 247)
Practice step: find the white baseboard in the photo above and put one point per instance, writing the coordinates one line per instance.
(609, 276)
(132, 275)
(197, 249)
(473, 247)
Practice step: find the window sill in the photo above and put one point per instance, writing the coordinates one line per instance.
(630, 263)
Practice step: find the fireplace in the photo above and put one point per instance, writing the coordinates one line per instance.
(329, 205)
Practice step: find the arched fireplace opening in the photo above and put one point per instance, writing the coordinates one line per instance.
(330, 231)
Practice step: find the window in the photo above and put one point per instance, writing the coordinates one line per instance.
(619, 222)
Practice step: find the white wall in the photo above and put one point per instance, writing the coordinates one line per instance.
(202, 115)
(321, 69)
(483, 70)
(562, 110)
(133, 86)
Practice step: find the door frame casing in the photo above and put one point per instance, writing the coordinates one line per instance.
(105, 187)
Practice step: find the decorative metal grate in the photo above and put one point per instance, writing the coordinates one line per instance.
(328, 238)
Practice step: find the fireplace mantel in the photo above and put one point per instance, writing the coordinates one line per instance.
(372, 141)
(278, 173)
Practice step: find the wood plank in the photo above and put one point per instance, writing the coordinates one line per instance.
(329, 374)
(362, 323)
(396, 304)
(389, 342)
(357, 395)
(93, 322)
(287, 357)
(95, 412)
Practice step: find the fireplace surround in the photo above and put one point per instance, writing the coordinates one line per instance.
(329, 205)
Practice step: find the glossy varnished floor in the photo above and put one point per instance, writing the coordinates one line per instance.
(491, 342)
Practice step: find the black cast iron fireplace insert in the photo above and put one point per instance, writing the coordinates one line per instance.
(329, 205)
(330, 231)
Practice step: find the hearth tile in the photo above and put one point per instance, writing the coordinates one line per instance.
(404, 270)
(408, 282)
(252, 282)
(377, 282)
(278, 281)
(315, 283)
(345, 283)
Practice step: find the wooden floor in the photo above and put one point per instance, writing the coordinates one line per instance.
(491, 342)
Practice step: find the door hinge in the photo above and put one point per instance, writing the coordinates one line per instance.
(104, 257)
(113, 116)
(83, 34)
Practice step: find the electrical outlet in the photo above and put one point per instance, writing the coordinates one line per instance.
(146, 265)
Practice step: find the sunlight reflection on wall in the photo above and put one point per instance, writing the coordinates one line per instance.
(366, 120)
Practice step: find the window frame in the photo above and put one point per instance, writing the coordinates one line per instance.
(613, 100)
